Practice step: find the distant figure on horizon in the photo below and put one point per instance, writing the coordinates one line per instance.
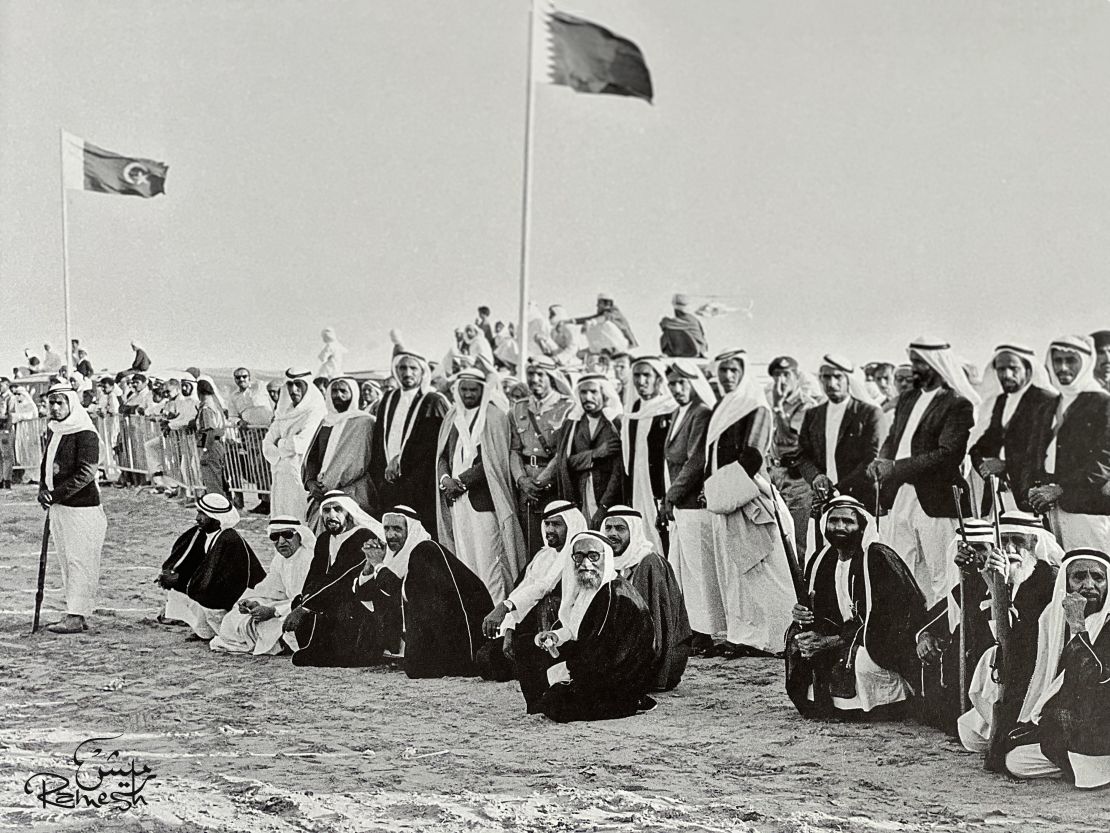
(331, 357)
(683, 335)
(141, 362)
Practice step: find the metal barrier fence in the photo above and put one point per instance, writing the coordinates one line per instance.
(138, 446)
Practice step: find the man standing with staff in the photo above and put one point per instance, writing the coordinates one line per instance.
(68, 491)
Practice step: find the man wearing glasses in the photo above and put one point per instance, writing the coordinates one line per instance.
(599, 658)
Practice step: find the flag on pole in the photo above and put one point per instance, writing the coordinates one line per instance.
(589, 58)
(85, 167)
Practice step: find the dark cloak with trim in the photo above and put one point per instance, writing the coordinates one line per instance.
(339, 632)
(444, 605)
(610, 663)
(217, 578)
(888, 631)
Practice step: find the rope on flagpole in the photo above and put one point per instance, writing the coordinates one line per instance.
(526, 205)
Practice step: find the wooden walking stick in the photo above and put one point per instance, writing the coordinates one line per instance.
(878, 503)
(1004, 714)
(963, 606)
(41, 589)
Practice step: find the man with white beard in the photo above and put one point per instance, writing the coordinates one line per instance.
(599, 659)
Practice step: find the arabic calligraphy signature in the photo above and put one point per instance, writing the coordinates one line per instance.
(98, 780)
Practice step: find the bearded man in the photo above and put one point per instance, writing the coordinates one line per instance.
(1065, 718)
(589, 464)
(209, 567)
(254, 626)
(920, 461)
(1007, 447)
(599, 660)
(338, 457)
(332, 626)
(533, 605)
(643, 437)
(851, 651)
(477, 507)
(534, 444)
(300, 409)
(636, 559)
(1074, 475)
(403, 456)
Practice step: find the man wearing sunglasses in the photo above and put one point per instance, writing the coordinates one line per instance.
(254, 625)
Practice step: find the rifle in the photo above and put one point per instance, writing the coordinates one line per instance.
(1004, 715)
(963, 606)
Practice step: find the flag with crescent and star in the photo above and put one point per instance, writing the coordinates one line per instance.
(588, 58)
(85, 167)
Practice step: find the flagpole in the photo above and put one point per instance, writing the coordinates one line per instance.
(526, 205)
(68, 345)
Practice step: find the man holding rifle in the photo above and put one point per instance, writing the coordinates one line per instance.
(850, 650)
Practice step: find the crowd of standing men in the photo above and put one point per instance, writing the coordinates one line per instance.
(587, 522)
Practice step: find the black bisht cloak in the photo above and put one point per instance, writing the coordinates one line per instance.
(217, 578)
(889, 630)
(444, 605)
(340, 631)
(655, 581)
(610, 663)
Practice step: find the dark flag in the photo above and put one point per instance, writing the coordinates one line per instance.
(590, 59)
(85, 167)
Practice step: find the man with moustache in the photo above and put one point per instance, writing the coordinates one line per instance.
(644, 432)
(1007, 447)
(534, 444)
(338, 456)
(589, 464)
(1065, 718)
(1101, 339)
(599, 659)
(333, 627)
(851, 651)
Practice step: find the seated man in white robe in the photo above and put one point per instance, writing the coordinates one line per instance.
(852, 650)
(255, 625)
(209, 567)
(1064, 724)
(533, 605)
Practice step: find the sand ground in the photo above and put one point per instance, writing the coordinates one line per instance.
(246, 744)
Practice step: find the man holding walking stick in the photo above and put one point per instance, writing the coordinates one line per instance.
(68, 491)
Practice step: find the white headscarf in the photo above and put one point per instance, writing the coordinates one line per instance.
(991, 388)
(425, 379)
(559, 382)
(283, 522)
(215, 391)
(1026, 523)
(77, 421)
(857, 385)
(870, 533)
(938, 354)
(415, 534)
(734, 406)
(576, 599)
(688, 369)
(572, 516)
(659, 405)
(334, 417)
(1084, 380)
(469, 422)
(219, 509)
(638, 543)
(312, 405)
(356, 513)
(611, 401)
(1045, 681)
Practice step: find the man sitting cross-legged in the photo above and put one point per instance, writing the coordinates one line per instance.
(599, 659)
(255, 625)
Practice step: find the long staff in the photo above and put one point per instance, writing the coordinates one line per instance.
(963, 606)
(41, 589)
(1002, 716)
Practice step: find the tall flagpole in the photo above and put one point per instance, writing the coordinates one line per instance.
(68, 346)
(526, 207)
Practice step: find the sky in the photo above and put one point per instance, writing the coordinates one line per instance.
(860, 172)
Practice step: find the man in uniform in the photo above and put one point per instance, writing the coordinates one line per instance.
(536, 422)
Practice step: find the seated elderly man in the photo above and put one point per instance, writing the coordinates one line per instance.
(442, 603)
(533, 605)
(1064, 728)
(852, 650)
(636, 559)
(254, 627)
(209, 567)
(599, 660)
(333, 628)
